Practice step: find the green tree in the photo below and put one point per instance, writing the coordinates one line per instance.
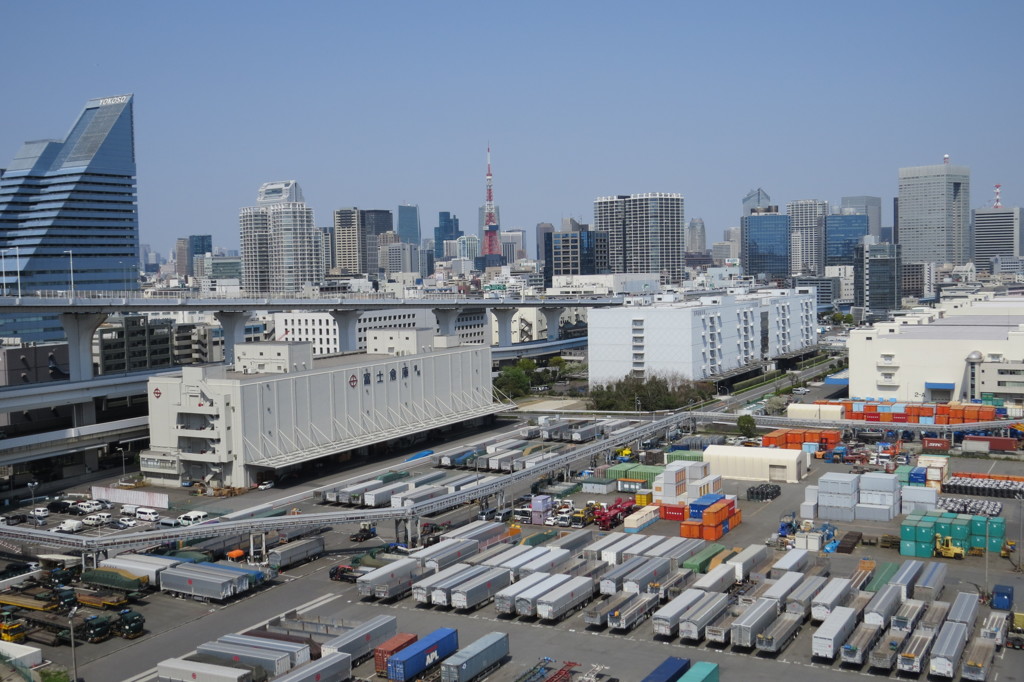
(513, 382)
(747, 426)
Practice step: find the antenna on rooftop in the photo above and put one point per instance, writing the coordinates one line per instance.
(945, 159)
(998, 203)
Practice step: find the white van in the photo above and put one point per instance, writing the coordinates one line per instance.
(129, 509)
(192, 518)
(70, 526)
(168, 522)
(147, 514)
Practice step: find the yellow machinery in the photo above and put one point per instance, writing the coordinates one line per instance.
(13, 630)
(945, 548)
(1009, 547)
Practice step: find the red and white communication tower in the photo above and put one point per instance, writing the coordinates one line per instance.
(492, 239)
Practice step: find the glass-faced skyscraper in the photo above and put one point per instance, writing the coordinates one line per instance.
(935, 214)
(409, 223)
(764, 245)
(842, 235)
(71, 201)
(447, 230)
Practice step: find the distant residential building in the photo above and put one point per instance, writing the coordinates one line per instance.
(918, 280)
(645, 233)
(409, 223)
(467, 246)
(842, 234)
(806, 227)
(447, 230)
(132, 343)
(349, 241)
(282, 249)
(696, 239)
(765, 244)
(997, 232)
(934, 214)
(877, 279)
(869, 206)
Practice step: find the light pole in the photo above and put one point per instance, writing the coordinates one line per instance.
(71, 270)
(71, 627)
(32, 490)
(124, 466)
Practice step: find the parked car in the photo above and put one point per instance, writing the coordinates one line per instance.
(93, 520)
(76, 510)
(266, 485)
(14, 519)
(107, 504)
(128, 522)
(58, 506)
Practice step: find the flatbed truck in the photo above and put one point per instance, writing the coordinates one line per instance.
(598, 612)
(883, 656)
(634, 612)
(914, 656)
(780, 633)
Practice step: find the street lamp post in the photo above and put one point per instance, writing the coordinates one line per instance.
(71, 627)
(32, 490)
(71, 270)
(124, 466)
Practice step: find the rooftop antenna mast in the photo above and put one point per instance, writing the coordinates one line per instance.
(998, 203)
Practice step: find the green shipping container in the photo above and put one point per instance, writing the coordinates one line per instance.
(903, 473)
(701, 671)
(978, 525)
(997, 527)
(647, 473)
(957, 542)
(977, 541)
(942, 527)
(961, 529)
(684, 456)
(883, 574)
(908, 530)
(539, 538)
(908, 548)
(392, 476)
(925, 531)
(620, 470)
(925, 550)
(698, 563)
(949, 516)
(933, 513)
(995, 544)
(915, 516)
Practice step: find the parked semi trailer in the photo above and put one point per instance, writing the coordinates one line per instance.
(361, 641)
(914, 657)
(563, 600)
(834, 631)
(948, 647)
(526, 602)
(908, 615)
(422, 588)
(505, 599)
(389, 582)
(693, 622)
(441, 591)
(666, 619)
(977, 663)
(597, 611)
(292, 553)
(331, 667)
(481, 589)
(857, 648)
(719, 630)
(633, 613)
(887, 649)
(780, 633)
(754, 621)
(799, 600)
(476, 660)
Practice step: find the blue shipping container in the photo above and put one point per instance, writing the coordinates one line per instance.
(406, 664)
(669, 671)
(709, 499)
(1002, 597)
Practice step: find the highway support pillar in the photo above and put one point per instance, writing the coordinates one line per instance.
(80, 328)
(552, 315)
(446, 318)
(233, 325)
(504, 317)
(348, 329)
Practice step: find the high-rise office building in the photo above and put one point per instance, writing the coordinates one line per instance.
(756, 198)
(187, 250)
(375, 222)
(447, 230)
(765, 244)
(806, 224)
(843, 232)
(645, 233)
(997, 232)
(696, 239)
(467, 246)
(330, 248)
(349, 241)
(869, 206)
(282, 249)
(542, 229)
(577, 252)
(400, 257)
(877, 279)
(934, 214)
(513, 245)
(181, 257)
(409, 223)
(68, 213)
(380, 264)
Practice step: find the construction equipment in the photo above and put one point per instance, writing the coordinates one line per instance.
(582, 517)
(945, 548)
(1008, 548)
(611, 516)
(13, 630)
(366, 531)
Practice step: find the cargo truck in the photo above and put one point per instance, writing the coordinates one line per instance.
(91, 629)
(526, 601)
(948, 647)
(719, 631)
(977, 663)
(914, 657)
(633, 613)
(666, 619)
(293, 553)
(505, 599)
(799, 600)
(422, 656)
(831, 596)
(856, 649)
(780, 633)
(908, 615)
(754, 621)
(994, 627)
(481, 589)
(887, 649)
(693, 622)
(476, 660)
(389, 582)
(441, 591)
(565, 599)
(597, 612)
(114, 579)
(834, 631)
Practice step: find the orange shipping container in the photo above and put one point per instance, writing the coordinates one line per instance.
(942, 419)
(736, 519)
(942, 409)
(711, 532)
(870, 407)
(690, 528)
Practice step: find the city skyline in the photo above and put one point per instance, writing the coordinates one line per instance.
(705, 138)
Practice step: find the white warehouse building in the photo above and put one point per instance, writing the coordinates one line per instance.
(700, 338)
(965, 349)
(276, 406)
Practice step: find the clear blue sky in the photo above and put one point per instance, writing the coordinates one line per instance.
(372, 104)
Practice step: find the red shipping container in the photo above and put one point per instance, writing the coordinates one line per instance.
(389, 648)
(674, 512)
(942, 444)
(900, 417)
(872, 417)
(996, 443)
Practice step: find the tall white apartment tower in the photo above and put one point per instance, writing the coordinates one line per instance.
(282, 249)
(934, 214)
(806, 223)
(645, 233)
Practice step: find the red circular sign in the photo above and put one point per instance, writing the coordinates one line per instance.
(352, 381)
(157, 393)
